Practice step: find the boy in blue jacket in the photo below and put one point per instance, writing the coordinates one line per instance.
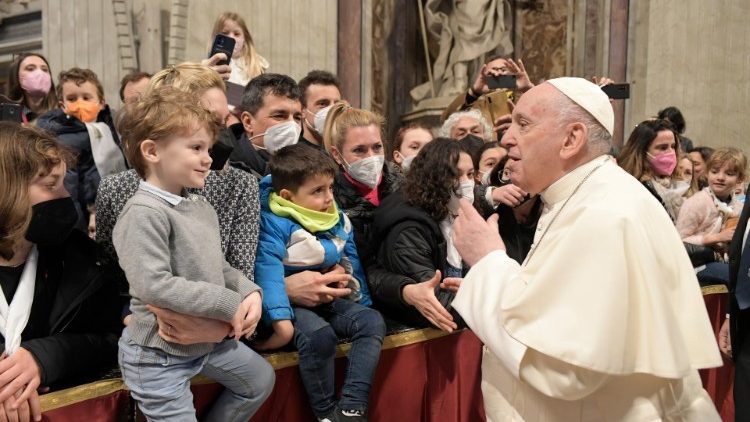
(302, 229)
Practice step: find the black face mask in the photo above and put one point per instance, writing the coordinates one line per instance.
(220, 155)
(52, 221)
(471, 143)
(221, 150)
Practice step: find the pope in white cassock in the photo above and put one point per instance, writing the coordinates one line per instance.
(604, 321)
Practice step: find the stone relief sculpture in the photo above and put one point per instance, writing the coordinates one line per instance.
(460, 34)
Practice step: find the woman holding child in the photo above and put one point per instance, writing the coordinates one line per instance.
(60, 313)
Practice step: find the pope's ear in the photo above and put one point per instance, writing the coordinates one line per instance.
(576, 138)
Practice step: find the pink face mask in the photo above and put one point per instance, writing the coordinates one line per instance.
(37, 83)
(663, 164)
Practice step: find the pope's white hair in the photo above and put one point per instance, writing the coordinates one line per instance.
(445, 130)
(599, 140)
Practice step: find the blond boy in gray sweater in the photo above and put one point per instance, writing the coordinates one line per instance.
(169, 247)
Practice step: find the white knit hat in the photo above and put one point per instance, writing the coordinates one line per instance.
(589, 96)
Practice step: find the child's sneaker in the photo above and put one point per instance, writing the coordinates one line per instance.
(351, 415)
(340, 415)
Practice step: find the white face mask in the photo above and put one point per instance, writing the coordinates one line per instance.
(279, 136)
(465, 191)
(486, 177)
(319, 120)
(407, 162)
(367, 170)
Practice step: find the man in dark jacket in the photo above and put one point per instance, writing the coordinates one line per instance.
(270, 102)
(734, 338)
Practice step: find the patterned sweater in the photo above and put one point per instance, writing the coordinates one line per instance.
(233, 194)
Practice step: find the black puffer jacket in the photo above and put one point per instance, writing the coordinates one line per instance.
(74, 323)
(244, 156)
(411, 248)
(360, 211)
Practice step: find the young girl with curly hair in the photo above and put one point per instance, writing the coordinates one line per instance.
(414, 226)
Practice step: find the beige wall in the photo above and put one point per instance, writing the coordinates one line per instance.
(693, 54)
(295, 36)
(86, 34)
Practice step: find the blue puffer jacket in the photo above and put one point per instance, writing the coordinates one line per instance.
(286, 248)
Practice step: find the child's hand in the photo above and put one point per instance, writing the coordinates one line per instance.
(238, 321)
(250, 322)
(283, 331)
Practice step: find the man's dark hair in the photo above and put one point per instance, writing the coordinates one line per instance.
(674, 116)
(494, 57)
(131, 77)
(265, 84)
(292, 165)
(317, 77)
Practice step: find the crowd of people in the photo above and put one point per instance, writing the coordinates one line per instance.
(189, 234)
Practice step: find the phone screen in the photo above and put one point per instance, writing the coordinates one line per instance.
(617, 91)
(501, 81)
(222, 44)
(11, 112)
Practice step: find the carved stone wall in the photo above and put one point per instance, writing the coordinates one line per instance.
(398, 62)
(543, 30)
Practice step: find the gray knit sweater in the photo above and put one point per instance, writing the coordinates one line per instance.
(172, 258)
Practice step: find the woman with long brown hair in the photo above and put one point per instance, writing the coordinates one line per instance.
(650, 155)
(30, 84)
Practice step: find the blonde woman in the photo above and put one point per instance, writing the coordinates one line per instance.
(246, 63)
(354, 139)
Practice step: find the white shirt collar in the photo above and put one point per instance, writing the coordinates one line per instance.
(161, 193)
(564, 186)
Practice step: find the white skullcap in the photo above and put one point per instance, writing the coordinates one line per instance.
(589, 96)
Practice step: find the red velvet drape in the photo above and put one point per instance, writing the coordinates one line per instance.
(718, 381)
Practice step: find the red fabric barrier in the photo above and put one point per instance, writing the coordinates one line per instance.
(432, 381)
(107, 408)
(718, 381)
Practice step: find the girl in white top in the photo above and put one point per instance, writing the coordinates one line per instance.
(246, 63)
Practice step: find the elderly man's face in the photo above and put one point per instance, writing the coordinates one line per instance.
(465, 126)
(534, 140)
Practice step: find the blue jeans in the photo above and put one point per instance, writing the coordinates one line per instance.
(160, 382)
(451, 271)
(316, 334)
(714, 273)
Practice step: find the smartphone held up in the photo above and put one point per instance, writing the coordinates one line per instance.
(222, 44)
